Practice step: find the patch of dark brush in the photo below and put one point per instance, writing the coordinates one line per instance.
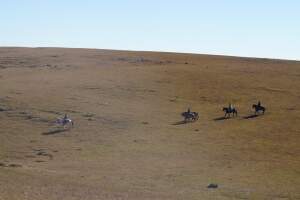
(88, 115)
(3, 165)
(43, 153)
(14, 165)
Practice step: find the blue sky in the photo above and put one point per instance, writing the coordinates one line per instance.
(253, 28)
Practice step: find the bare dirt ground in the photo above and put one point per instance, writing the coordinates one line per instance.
(128, 141)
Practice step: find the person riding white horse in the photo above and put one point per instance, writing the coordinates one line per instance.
(190, 116)
(65, 121)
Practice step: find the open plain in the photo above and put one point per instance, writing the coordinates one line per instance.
(128, 139)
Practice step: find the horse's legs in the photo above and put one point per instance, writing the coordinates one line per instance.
(186, 120)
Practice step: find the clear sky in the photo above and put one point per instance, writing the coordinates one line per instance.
(254, 28)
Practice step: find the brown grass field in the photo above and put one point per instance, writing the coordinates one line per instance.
(128, 141)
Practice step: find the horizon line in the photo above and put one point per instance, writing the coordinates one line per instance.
(157, 51)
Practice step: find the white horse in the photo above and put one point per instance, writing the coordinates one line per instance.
(64, 122)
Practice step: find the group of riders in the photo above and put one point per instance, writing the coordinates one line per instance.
(231, 109)
(188, 115)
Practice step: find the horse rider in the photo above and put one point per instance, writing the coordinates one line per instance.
(189, 111)
(230, 106)
(65, 117)
(258, 104)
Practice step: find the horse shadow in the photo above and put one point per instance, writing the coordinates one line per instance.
(180, 123)
(221, 118)
(52, 132)
(251, 116)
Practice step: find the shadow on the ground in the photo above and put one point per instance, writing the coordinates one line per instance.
(250, 116)
(222, 118)
(180, 123)
(52, 132)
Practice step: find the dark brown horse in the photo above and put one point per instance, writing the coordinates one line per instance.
(258, 109)
(228, 111)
